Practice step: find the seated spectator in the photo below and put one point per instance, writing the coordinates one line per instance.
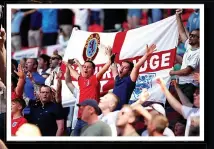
(17, 118)
(94, 127)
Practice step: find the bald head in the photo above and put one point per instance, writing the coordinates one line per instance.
(28, 130)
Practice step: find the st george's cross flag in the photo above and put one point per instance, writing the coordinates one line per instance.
(128, 45)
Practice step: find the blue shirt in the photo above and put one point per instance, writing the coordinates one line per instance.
(49, 20)
(193, 22)
(123, 88)
(45, 117)
(16, 22)
(36, 20)
(28, 88)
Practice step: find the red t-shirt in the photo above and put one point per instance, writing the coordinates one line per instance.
(16, 123)
(14, 95)
(89, 89)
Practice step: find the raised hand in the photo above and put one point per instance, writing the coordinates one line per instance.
(108, 51)
(2, 37)
(20, 72)
(179, 11)
(150, 49)
(144, 95)
(161, 83)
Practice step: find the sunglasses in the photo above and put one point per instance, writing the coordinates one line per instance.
(53, 58)
(193, 35)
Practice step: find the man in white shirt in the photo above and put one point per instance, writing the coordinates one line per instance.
(186, 112)
(191, 59)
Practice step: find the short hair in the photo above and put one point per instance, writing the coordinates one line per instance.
(35, 61)
(130, 64)
(15, 63)
(93, 65)
(46, 58)
(14, 80)
(45, 86)
(161, 122)
(115, 97)
(20, 101)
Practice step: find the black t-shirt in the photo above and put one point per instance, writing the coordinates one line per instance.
(45, 117)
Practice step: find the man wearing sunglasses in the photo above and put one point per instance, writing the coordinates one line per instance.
(190, 61)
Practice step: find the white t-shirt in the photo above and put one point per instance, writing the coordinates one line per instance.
(52, 76)
(167, 132)
(191, 58)
(187, 113)
(81, 18)
(110, 119)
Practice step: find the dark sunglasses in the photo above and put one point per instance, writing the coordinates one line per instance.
(53, 58)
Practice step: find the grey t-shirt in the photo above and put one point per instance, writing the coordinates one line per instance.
(98, 129)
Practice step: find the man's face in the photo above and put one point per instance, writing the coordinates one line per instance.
(54, 62)
(194, 38)
(88, 70)
(150, 128)
(196, 96)
(125, 116)
(30, 65)
(86, 112)
(45, 94)
(41, 63)
(179, 129)
(104, 102)
(124, 69)
(15, 107)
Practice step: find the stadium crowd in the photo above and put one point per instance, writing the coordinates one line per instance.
(36, 84)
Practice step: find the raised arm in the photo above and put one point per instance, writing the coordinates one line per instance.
(29, 12)
(73, 72)
(176, 105)
(68, 80)
(184, 100)
(142, 98)
(135, 71)
(21, 82)
(79, 65)
(107, 65)
(59, 88)
(2, 56)
(139, 109)
(114, 70)
(181, 28)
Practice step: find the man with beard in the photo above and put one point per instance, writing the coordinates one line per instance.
(190, 61)
(127, 76)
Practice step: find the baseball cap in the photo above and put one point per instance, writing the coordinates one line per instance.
(93, 103)
(159, 108)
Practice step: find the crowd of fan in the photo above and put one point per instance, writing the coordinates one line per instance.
(36, 93)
